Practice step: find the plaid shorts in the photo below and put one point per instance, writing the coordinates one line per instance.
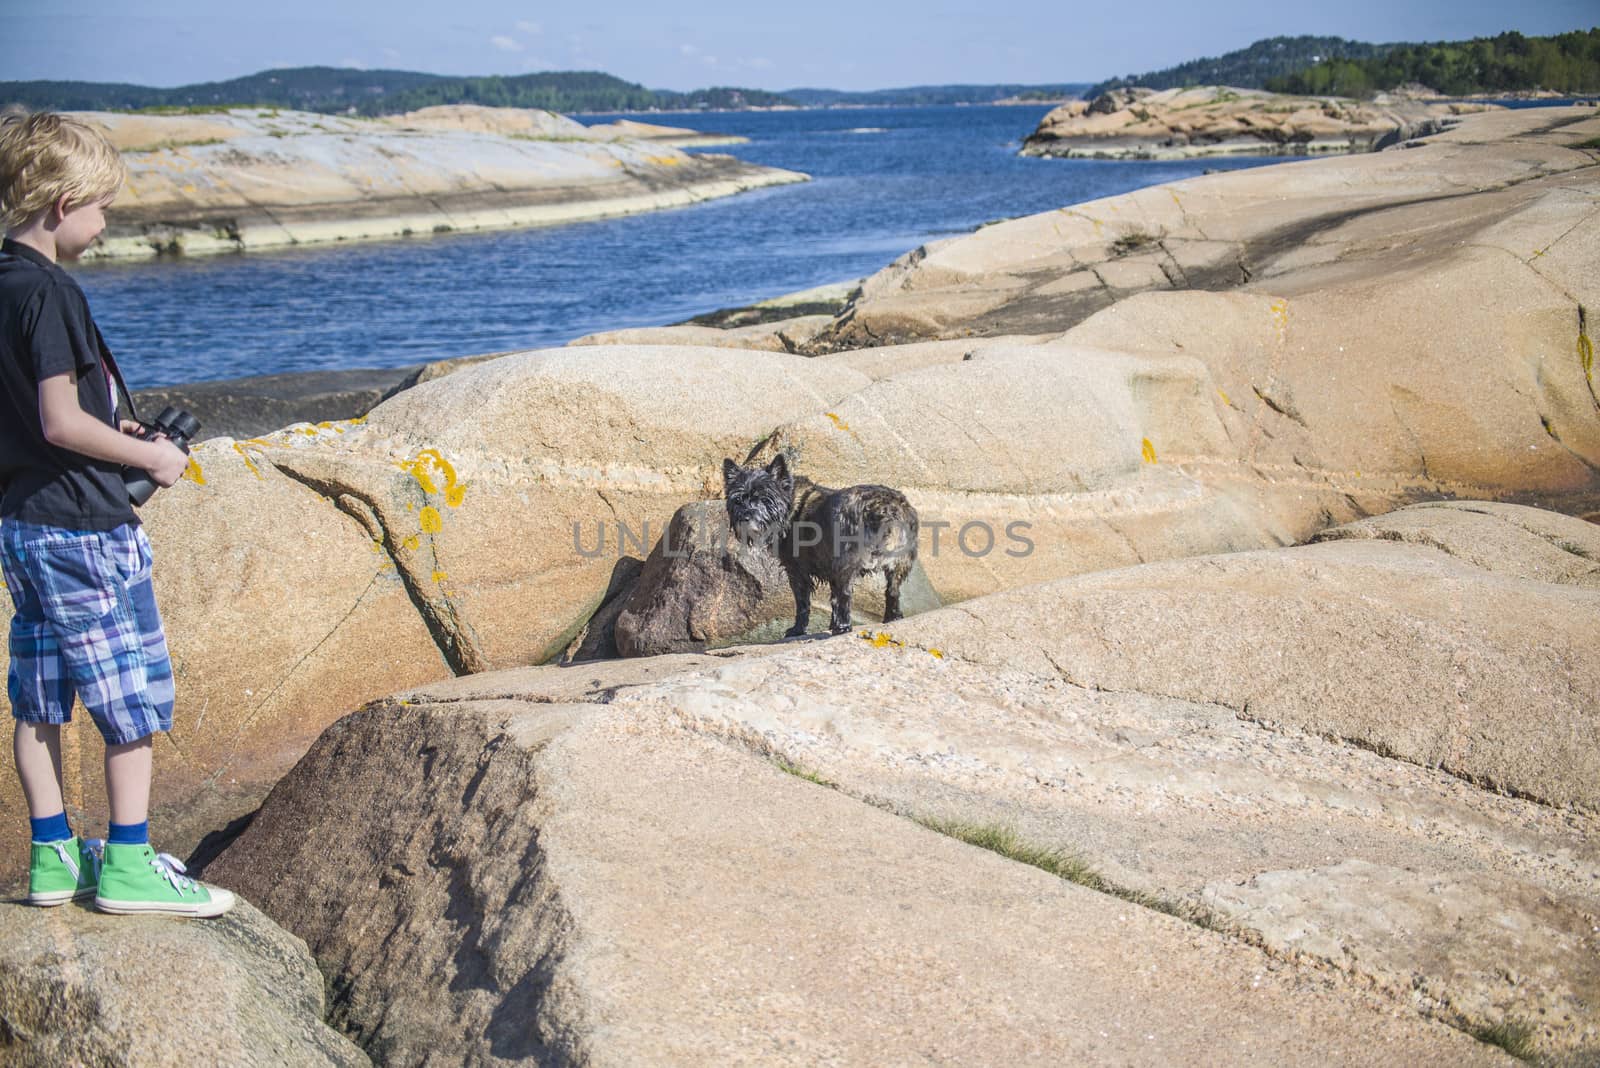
(86, 624)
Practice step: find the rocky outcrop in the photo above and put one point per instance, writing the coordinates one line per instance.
(79, 987)
(1210, 120)
(472, 522)
(1377, 223)
(254, 178)
(1234, 783)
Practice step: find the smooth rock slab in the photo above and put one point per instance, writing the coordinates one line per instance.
(556, 882)
(1398, 648)
(80, 987)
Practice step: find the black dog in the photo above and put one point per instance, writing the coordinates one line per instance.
(819, 533)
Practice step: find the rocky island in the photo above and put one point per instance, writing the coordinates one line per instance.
(256, 178)
(1141, 123)
(1279, 745)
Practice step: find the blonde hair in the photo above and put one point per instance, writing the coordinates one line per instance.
(45, 156)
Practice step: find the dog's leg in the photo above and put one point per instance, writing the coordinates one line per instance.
(892, 578)
(840, 601)
(800, 585)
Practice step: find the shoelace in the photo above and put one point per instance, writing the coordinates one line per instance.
(171, 869)
(96, 848)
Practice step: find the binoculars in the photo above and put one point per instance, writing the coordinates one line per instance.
(179, 427)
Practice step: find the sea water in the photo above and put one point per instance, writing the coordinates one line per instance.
(885, 180)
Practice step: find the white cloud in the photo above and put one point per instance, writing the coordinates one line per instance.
(530, 27)
(688, 49)
(710, 61)
(391, 54)
(505, 44)
(757, 63)
(353, 64)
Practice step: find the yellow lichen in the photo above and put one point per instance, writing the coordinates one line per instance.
(1280, 318)
(411, 543)
(880, 640)
(430, 520)
(430, 460)
(439, 576)
(193, 472)
(936, 653)
(1224, 397)
(238, 447)
(840, 423)
(1148, 452)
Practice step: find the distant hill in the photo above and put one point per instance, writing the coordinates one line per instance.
(381, 92)
(933, 95)
(1565, 63)
(1252, 67)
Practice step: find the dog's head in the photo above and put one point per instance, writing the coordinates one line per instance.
(759, 498)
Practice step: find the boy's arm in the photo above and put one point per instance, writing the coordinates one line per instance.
(67, 426)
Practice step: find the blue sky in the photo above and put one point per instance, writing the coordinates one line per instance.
(692, 44)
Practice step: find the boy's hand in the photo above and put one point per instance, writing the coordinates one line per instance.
(131, 426)
(170, 462)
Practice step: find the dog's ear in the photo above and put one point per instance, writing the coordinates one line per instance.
(779, 469)
(730, 471)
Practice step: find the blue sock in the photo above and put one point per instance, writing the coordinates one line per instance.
(130, 833)
(51, 828)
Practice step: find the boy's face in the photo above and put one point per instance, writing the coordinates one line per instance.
(80, 225)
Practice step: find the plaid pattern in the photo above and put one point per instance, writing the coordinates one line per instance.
(86, 624)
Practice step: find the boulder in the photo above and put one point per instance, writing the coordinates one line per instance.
(508, 490)
(561, 881)
(80, 987)
(703, 589)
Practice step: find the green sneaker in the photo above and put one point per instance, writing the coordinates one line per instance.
(135, 879)
(63, 871)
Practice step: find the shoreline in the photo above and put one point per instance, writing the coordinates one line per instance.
(270, 228)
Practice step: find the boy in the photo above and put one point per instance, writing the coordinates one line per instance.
(75, 560)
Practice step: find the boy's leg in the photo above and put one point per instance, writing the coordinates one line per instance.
(36, 747)
(128, 769)
(129, 693)
(60, 867)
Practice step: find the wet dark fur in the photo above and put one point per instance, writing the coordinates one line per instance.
(822, 534)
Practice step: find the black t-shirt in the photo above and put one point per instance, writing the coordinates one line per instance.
(46, 330)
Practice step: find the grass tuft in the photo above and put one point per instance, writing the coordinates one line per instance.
(1067, 865)
(1133, 241)
(1512, 1035)
(798, 772)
